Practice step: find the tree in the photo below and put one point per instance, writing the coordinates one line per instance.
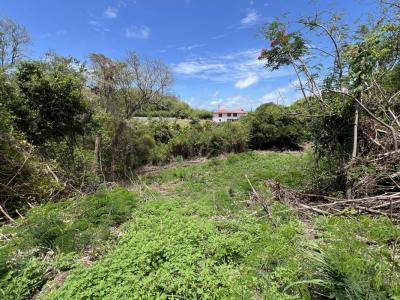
(13, 37)
(272, 125)
(352, 92)
(125, 87)
(51, 104)
(144, 81)
(105, 76)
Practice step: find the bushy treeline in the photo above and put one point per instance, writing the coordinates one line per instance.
(69, 126)
(66, 129)
(172, 107)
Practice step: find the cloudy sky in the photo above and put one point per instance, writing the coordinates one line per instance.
(211, 45)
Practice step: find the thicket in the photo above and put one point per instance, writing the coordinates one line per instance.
(351, 108)
(275, 126)
(172, 107)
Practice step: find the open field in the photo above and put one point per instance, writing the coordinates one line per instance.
(193, 232)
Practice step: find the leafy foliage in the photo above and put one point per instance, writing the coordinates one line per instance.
(172, 107)
(24, 281)
(353, 105)
(272, 126)
(209, 139)
(356, 260)
(64, 228)
(51, 105)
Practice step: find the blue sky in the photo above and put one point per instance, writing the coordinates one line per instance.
(211, 45)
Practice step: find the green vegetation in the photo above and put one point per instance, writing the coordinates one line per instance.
(62, 132)
(351, 104)
(81, 219)
(275, 126)
(53, 235)
(181, 242)
(172, 107)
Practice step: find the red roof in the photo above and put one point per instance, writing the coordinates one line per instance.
(224, 111)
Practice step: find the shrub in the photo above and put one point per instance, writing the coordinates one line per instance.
(25, 176)
(130, 146)
(210, 139)
(271, 126)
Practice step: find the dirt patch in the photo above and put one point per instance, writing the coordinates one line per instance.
(55, 283)
(163, 189)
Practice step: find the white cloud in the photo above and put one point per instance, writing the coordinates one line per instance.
(216, 94)
(244, 83)
(251, 18)
(233, 101)
(110, 13)
(166, 49)
(45, 35)
(98, 26)
(190, 47)
(283, 95)
(137, 32)
(229, 68)
(197, 68)
(219, 36)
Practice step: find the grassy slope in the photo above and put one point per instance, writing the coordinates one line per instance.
(193, 234)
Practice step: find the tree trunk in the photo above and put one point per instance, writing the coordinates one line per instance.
(97, 165)
(114, 148)
(355, 146)
(355, 132)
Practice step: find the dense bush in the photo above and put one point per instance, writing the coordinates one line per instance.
(210, 139)
(129, 149)
(25, 177)
(172, 107)
(43, 112)
(51, 105)
(352, 99)
(275, 126)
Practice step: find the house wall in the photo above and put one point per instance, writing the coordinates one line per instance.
(224, 118)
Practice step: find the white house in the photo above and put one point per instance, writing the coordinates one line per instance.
(223, 115)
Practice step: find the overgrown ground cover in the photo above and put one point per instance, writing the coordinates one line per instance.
(192, 233)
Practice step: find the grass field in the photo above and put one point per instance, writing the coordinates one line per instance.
(192, 233)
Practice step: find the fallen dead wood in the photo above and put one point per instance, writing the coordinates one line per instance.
(6, 214)
(387, 204)
(258, 198)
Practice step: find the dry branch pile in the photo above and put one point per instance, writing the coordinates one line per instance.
(387, 204)
(379, 173)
